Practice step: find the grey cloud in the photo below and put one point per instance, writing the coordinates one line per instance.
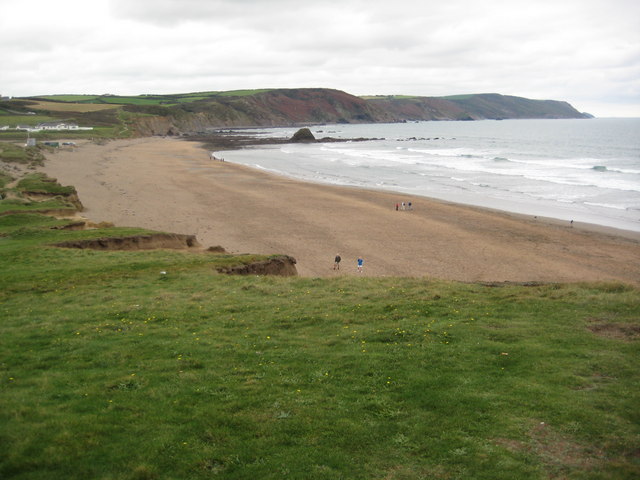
(569, 50)
(172, 12)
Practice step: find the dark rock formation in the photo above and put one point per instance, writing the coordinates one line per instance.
(303, 135)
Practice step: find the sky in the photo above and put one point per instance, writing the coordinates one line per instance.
(585, 52)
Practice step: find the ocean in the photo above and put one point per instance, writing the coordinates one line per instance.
(584, 170)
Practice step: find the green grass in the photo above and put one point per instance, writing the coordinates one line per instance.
(458, 97)
(40, 183)
(70, 98)
(243, 93)
(110, 369)
(52, 195)
(15, 153)
(9, 205)
(5, 179)
(170, 99)
(12, 120)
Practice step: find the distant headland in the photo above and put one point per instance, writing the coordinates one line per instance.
(192, 113)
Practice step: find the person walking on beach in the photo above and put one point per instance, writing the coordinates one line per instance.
(336, 262)
(360, 264)
(397, 206)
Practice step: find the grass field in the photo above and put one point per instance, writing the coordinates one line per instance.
(38, 182)
(98, 102)
(71, 106)
(13, 152)
(112, 369)
(70, 98)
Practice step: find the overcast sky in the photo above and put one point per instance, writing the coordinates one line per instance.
(586, 52)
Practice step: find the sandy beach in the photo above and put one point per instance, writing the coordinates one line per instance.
(172, 185)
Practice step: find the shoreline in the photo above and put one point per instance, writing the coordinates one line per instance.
(435, 167)
(247, 210)
(533, 208)
(542, 219)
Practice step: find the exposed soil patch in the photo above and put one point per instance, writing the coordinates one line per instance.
(78, 225)
(135, 242)
(618, 331)
(556, 451)
(511, 284)
(282, 265)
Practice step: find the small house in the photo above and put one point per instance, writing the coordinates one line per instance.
(57, 126)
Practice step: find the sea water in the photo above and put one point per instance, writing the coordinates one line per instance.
(585, 170)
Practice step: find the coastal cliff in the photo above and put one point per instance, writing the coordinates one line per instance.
(486, 106)
(192, 113)
(284, 107)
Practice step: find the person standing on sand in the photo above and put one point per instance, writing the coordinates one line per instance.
(360, 264)
(336, 262)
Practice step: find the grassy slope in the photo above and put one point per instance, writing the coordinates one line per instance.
(16, 199)
(111, 370)
(110, 115)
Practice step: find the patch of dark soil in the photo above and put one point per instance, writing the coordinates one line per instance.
(615, 330)
(135, 242)
(79, 225)
(511, 284)
(283, 265)
(558, 453)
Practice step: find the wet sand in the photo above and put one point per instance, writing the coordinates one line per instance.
(172, 185)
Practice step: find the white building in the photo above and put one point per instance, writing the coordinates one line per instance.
(57, 126)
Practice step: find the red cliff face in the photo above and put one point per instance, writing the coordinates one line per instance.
(321, 105)
(305, 106)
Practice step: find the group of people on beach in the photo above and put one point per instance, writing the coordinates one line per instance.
(338, 259)
(404, 206)
(212, 156)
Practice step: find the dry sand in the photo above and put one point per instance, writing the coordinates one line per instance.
(172, 185)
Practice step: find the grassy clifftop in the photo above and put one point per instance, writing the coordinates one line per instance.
(151, 365)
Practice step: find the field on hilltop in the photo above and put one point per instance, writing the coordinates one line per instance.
(151, 364)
